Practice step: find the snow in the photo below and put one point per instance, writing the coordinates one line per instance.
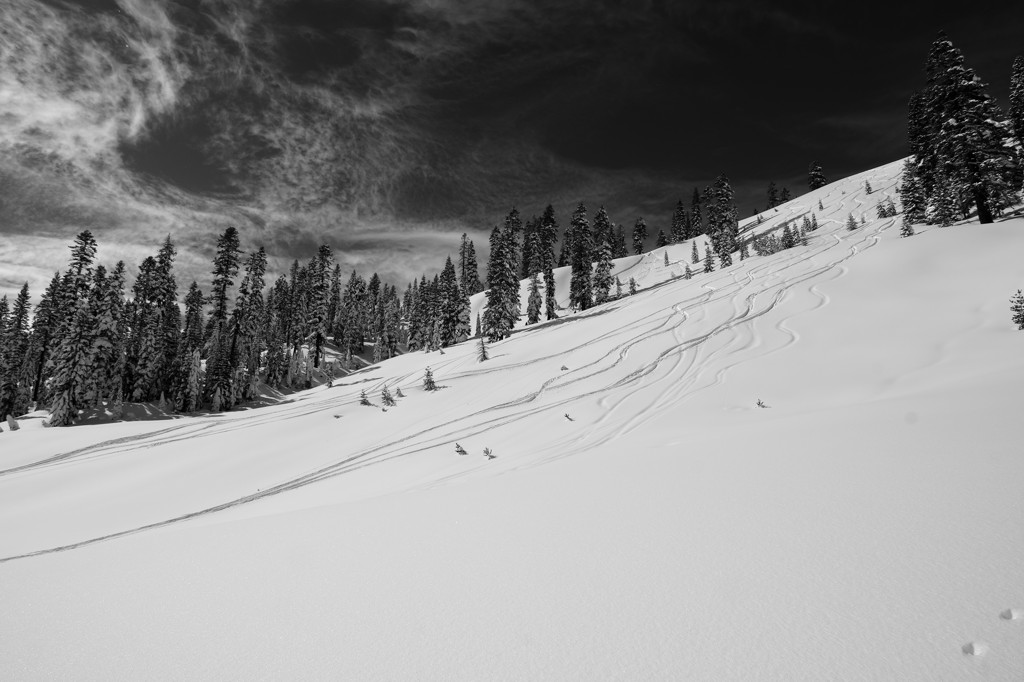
(866, 525)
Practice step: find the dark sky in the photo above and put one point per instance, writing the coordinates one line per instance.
(388, 128)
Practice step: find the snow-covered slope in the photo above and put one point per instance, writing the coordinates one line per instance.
(642, 519)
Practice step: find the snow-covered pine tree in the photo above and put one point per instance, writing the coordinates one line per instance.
(788, 241)
(14, 352)
(709, 258)
(363, 400)
(602, 283)
(72, 366)
(639, 235)
(723, 226)
(687, 273)
(678, 233)
(618, 288)
(1016, 111)
(944, 207)
(814, 222)
(963, 134)
(815, 176)
(481, 354)
(696, 215)
(619, 249)
(867, 187)
(851, 222)
(906, 228)
(218, 367)
(549, 235)
(1017, 309)
(666, 259)
(632, 286)
(454, 308)
(428, 380)
(694, 255)
(661, 241)
(581, 294)
(821, 207)
(386, 397)
(44, 338)
(534, 300)
(773, 195)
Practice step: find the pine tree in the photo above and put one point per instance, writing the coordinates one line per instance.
(773, 195)
(1017, 308)
(72, 366)
(821, 206)
(482, 350)
(619, 250)
(962, 134)
(678, 233)
(1016, 111)
(14, 351)
(723, 226)
(867, 187)
(709, 258)
(218, 367)
(688, 273)
(534, 301)
(454, 308)
(363, 400)
(618, 288)
(696, 218)
(694, 255)
(906, 229)
(45, 336)
(784, 195)
(815, 176)
(639, 235)
(428, 380)
(944, 204)
(580, 289)
(661, 241)
(632, 286)
(386, 397)
(666, 259)
(814, 222)
(602, 283)
(549, 235)
(788, 241)
(851, 222)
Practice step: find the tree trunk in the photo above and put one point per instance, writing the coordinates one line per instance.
(981, 199)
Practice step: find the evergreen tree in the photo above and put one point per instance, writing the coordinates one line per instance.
(619, 250)
(632, 286)
(709, 258)
(678, 233)
(723, 226)
(906, 229)
(428, 380)
(784, 195)
(639, 235)
(788, 240)
(45, 336)
(580, 290)
(386, 397)
(218, 366)
(602, 283)
(851, 222)
(962, 134)
(661, 241)
(773, 195)
(688, 273)
(1017, 308)
(469, 278)
(815, 176)
(72, 365)
(666, 259)
(696, 216)
(549, 235)
(944, 202)
(1017, 99)
(14, 350)
(454, 308)
(482, 350)
(534, 301)
(694, 255)
(618, 288)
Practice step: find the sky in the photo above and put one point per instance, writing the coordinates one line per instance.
(388, 128)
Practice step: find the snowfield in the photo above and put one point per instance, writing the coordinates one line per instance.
(642, 518)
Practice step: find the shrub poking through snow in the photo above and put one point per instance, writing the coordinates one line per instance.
(428, 380)
(1017, 308)
(459, 450)
(906, 229)
(851, 222)
(398, 392)
(386, 397)
(489, 454)
(363, 400)
(760, 403)
(632, 286)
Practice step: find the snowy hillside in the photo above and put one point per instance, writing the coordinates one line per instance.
(642, 517)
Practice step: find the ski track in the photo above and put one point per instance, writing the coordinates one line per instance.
(689, 365)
